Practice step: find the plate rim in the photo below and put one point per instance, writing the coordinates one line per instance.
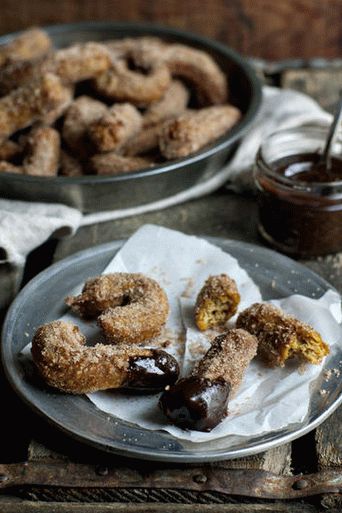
(136, 451)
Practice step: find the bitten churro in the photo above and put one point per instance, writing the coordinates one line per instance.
(113, 164)
(194, 129)
(65, 362)
(130, 307)
(216, 302)
(172, 104)
(200, 401)
(123, 84)
(31, 44)
(115, 127)
(30, 103)
(83, 111)
(281, 336)
(42, 152)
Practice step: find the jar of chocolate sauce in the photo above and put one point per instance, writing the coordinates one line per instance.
(300, 200)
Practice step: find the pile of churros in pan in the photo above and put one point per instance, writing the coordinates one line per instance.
(106, 108)
(131, 309)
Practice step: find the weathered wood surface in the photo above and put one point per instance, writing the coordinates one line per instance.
(268, 29)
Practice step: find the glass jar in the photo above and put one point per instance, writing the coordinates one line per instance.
(301, 217)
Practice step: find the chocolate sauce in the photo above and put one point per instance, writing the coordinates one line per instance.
(308, 168)
(196, 403)
(300, 205)
(152, 373)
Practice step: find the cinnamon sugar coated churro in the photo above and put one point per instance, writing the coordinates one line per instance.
(191, 131)
(172, 104)
(115, 127)
(79, 91)
(9, 149)
(80, 62)
(29, 103)
(81, 113)
(216, 302)
(200, 401)
(42, 152)
(123, 84)
(281, 336)
(130, 306)
(65, 362)
(113, 164)
(69, 166)
(30, 44)
(7, 167)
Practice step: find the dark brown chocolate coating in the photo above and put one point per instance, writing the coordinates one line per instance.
(152, 373)
(196, 403)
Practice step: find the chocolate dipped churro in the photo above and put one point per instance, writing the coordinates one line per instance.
(65, 362)
(200, 401)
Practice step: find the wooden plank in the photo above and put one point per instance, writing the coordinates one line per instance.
(10, 506)
(267, 29)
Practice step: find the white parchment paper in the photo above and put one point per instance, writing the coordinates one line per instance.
(269, 399)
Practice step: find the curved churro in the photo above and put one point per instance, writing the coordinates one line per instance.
(30, 44)
(123, 84)
(172, 104)
(42, 152)
(216, 302)
(200, 401)
(194, 129)
(113, 164)
(30, 103)
(281, 336)
(130, 307)
(115, 127)
(83, 111)
(64, 362)
(200, 69)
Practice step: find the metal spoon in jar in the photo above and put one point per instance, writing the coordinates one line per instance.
(333, 130)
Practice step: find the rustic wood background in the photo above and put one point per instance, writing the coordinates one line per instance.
(269, 29)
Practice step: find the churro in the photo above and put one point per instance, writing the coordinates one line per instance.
(65, 362)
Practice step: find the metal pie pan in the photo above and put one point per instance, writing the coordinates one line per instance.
(93, 193)
(42, 301)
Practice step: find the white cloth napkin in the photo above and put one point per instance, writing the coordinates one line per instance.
(24, 225)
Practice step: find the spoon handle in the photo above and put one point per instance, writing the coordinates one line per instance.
(335, 126)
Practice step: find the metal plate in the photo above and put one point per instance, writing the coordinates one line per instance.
(91, 193)
(42, 301)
